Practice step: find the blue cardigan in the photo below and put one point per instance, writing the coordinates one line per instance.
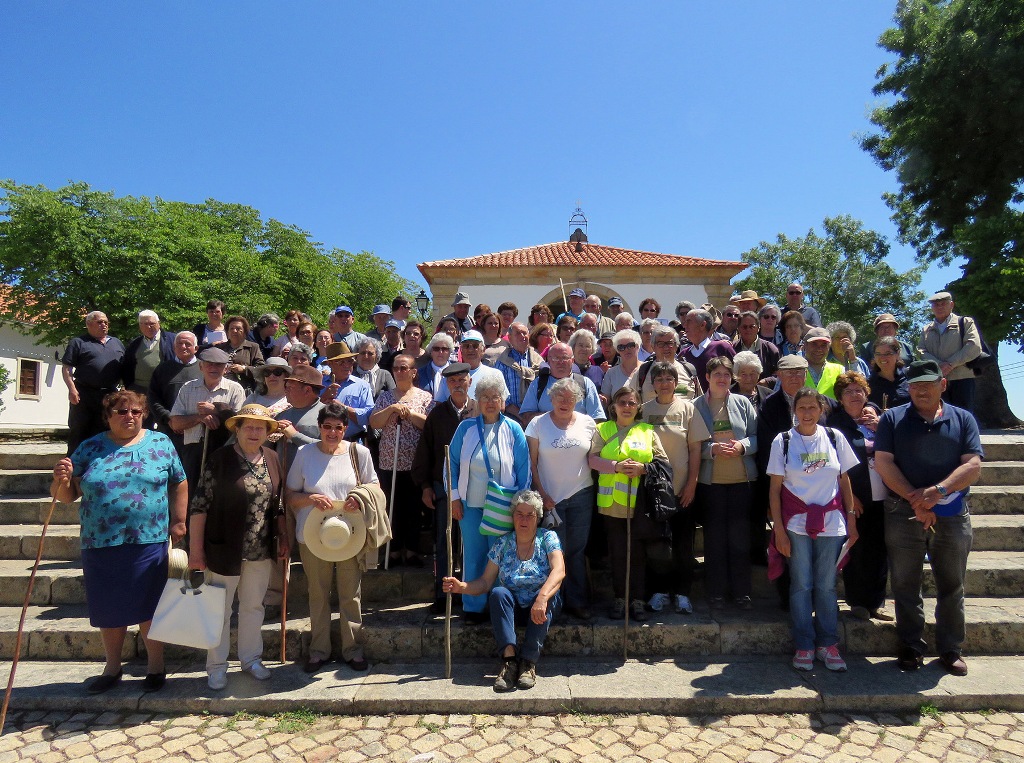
(743, 418)
(515, 455)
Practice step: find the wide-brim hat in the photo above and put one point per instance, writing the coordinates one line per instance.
(177, 563)
(260, 372)
(461, 298)
(253, 412)
(334, 535)
(748, 295)
(307, 375)
(338, 351)
(886, 318)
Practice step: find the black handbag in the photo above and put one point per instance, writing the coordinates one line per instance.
(655, 497)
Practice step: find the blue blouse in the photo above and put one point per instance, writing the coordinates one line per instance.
(124, 489)
(524, 579)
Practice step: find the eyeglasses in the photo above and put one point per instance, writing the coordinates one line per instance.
(885, 354)
(135, 412)
(277, 372)
(625, 347)
(548, 334)
(791, 293)
(769, 317)
(665, 343)
(305, 333)
(400, 368)
(333, 427)
(628, 403)
(440, 349)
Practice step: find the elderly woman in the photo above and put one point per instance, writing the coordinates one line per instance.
(133, 492)
(584, 345)
(428, 378)
(528, 568)
(844, 348)
(888, 380)
(486, 448)
(300, 355)
(559, 443)
(244, 353)
(725, 486)
(237, 531)
(793, 327)
(682, 433)
(321, 473)
(542, 336)
(404, 407)
(270, 386)
(621, 449)
(540, 313)
(770, 317)
(811, 499)
(864, 577)
(627, 345)
(368, 352)
(746, 372)
(647, 328)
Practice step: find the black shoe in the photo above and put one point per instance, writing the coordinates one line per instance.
(313, 666)
(954, 664)
(909, 659)
(414, 561)
(100, 684)
(580, 613)
(359, 665)
(439, 606)
(476, 618)
(153, 682)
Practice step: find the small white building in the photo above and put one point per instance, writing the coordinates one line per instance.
(36, 395)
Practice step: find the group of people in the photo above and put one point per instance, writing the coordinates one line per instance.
(786, 442)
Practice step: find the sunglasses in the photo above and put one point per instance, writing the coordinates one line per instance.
(333, 427)
(794, 292)
(277, 372)
(624, 347)
(136, 412)
(440, 349)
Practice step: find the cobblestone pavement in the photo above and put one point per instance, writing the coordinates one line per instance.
(931, 736)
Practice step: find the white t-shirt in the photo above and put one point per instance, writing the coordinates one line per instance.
(313, 471)
(562, 463)
(812, 474)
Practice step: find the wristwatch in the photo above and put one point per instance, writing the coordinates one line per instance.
(942, 491)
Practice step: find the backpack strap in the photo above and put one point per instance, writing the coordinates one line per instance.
(543, 377)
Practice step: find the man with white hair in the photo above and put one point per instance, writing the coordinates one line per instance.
(592, 304)
(168, 379)
(145, 352)
(537, 399)
(624, 322)
(665, 343)
(91, 368)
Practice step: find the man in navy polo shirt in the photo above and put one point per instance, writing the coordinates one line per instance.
(91, 368)
(928, 452)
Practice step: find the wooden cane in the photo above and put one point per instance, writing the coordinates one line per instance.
(284, 564)
(565, 301)
(451, 570)
(24, 611)
(391, 502)
(629, 545)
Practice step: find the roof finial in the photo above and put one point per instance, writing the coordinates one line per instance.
(578, 227)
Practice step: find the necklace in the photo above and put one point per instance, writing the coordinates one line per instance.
(254, 467)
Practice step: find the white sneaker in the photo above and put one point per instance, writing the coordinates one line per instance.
(259, 671)
(658, 602)
(218, 679)
(683, 605)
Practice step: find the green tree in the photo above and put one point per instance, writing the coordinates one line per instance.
(844, 272)
(67, 251)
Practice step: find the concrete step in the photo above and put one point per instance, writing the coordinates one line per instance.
(679, 686)
(1001, 473)
(994, 626)
(31, 455)
(1003, 445)
(996, 499)
(22, 542)
(29, 433)
(25, 481)
(998, 532)
(32, 509)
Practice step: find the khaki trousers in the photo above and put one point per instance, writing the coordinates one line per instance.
(320, 575)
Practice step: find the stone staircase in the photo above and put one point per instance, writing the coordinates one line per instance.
(398, 627)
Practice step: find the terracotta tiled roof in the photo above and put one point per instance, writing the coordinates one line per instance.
(564, 254)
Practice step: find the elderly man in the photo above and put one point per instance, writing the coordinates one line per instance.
(91, 368)
(576, 310)
(298, 423)
(340, 323)
(886, 325)
(460, 311)
(592, 305)
(538, 399)
(750, 340)
(665, 341)
(730, 323)
(428, 465)
(795, 301)
(929, 453)
(392, 344)
(353, 393)
(615, 307)
(381, 315)
(590, 323)
(472, 349)
(624, 321)
(168, 379)
(748, 300)
(821, 375)
(698, 325)
(202, 407)
(952, 341)
(145, 352)
(518, 363)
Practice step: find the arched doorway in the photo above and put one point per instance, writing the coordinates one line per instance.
(553, 299)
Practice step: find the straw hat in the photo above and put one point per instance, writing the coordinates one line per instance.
(334, 535)
(177, 563)
(747, 295)
(338, 351)
(254, 412)
(274, 363)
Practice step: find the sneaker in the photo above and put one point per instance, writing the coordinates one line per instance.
(831, 657)
(218, 679)
(527, 675)
(637, 612)
(683, 605)
(804, 659)
(617, 611)
(508, 673)
(658, 602)
(259, 671)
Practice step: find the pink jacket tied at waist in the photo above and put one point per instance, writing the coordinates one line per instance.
(791, 506)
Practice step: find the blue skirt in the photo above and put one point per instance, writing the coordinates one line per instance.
(123, 583)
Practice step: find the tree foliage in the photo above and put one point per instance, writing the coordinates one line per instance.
(954, 136)
(67, 251)
(844, 273)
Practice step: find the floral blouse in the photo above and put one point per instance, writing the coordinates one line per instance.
(418, 401)
(258, 488)
(524, 578)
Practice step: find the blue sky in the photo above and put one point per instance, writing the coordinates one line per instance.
(422, 131)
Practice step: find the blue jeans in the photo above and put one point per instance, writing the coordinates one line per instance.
(505, 613)
(813, 606)
(947, 549)
(474, 554)
(576, 512)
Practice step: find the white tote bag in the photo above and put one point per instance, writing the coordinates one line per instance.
(189, 616)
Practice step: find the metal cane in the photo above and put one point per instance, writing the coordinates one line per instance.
(629, 546)
(391, 503)
(451, 571)
(24, 610)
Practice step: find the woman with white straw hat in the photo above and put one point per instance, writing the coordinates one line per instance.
(235, 520)
(327, 520)
(270, 385)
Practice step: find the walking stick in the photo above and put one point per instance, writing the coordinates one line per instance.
(391, 503)
(629, 546)
(285, 563)
(565, 301)
(451, 570)
(24, 611)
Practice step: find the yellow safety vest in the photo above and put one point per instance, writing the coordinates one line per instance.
(831, 372)
(615, 488)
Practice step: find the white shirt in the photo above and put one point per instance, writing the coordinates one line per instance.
(562, 464)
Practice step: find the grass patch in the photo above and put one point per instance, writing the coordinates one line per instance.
(928, 710)
(295, 721)
(241, 715)
(433, 728)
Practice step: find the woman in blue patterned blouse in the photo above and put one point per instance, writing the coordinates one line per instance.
(524, 571)
(133, 494)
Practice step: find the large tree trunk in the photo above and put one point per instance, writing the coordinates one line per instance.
(990, 404)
